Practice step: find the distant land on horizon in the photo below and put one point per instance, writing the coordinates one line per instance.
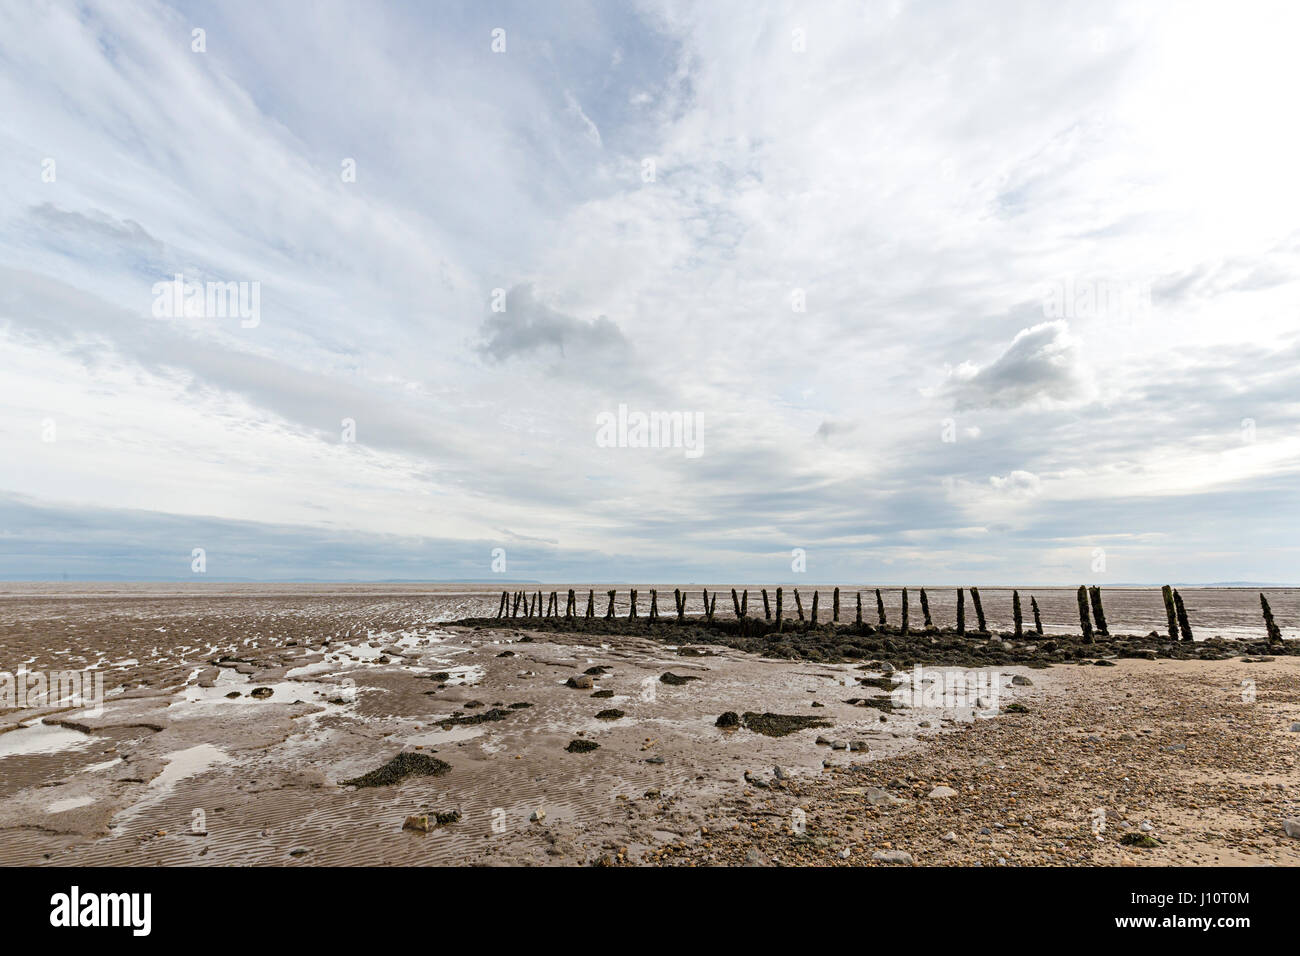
(195, 579)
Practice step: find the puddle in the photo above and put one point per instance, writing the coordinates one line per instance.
(71, 803)
(42, 738)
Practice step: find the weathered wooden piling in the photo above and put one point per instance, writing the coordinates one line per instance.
(609, 612)
(1270, 625)
(778, 609)
(515, 611)
(707, 615)
(1016, 617)
(961, 611)
(814, 607)
(903, 627)
(1171, 612)
(1098, 614)
(925, 611)
(571, 607)
(979, 610)
(1184, 626)
(1085, 623)
(835, 607)
(744, 603)
(591, 603)
(713, 605)
(631, 611)
(858, 619)
(1038, 621)
(501, 608)
(681, 604)
(654, 605)
(767, 608)
(798, 604)
(735, 603)
(880, 608)
(553, 605)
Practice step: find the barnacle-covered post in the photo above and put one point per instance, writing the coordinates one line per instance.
(1098, 614)
(1085, 623)
(1015, 613)
(1171, 611)
(979, 610)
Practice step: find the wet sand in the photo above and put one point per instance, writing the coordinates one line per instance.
(186, 766)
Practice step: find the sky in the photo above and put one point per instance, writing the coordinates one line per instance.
(997, 293)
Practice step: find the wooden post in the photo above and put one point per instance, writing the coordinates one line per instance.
(903, 628)
(778, 609)
(735, 604)
(925, 610)
(571, 606)
(681, 604)
(814, 606)
(767, 608)
(515, 611)
(654, 604)
(707, 615)
(798, 604)
(631, 611)
(713, 604)
(1015, 613)
(1183, 624)
(961, 611)
(1170, 611)
(859, 617)
(880, 608)
(744, 602)
(1085, 624)
(835, 607)
(610, 611)
(591, 603)
(1038, 621)
(1099, 615)
(1270, 625)
(501, 608)
(979, 610)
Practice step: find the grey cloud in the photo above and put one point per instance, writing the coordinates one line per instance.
(1042, 363)
(529, 326)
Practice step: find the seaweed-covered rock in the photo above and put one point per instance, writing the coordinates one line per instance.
(582, 746)
(728, 719)
(405, 764)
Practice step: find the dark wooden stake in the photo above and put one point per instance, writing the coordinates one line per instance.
(880, 608)
(814, 606)
(859, 617)
(767, 608)
(1270, 625)
(798, 603)
(961, 611)
(925, 610)
(609, 612)
(681, 605)
(778, 609)
(1015, 613)
(735, 603)
(1038, 621)
(1085, 623)
(591, 603)
(1171, 612)
(654, 604)
(631, 611)
(835, 607)
(1183, 624)
(979, 610)
(744, 602)
(571, 606)
(903, 625)
(1098, 614)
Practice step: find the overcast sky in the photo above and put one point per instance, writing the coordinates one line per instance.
(954, 293)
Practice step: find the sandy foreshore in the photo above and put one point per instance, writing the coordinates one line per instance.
(240, 739)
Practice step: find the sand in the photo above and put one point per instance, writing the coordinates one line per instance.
(175, 771)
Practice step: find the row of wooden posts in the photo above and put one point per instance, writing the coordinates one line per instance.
(1092, 615)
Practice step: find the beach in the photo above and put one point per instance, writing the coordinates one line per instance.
(325, 725)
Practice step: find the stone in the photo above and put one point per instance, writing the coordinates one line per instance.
(1021, 681)
(949, 837)
(537, 816)
(419, 823)
(579, 682)
(940, 793)
(876, 796)
(858, 745)
(839, 745)
(900, 857)
(1292, 828)
(261, 693)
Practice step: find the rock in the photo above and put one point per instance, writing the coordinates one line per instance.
(419, 823)
(857, 745)
(754, 858)
(728, 719)
(844, 853)
(940, 793)
(1292, 828)
(612, 713)
(674, 680)
(822, 741)
(579, 682)
(537, 816)
(900, 857)
(924, 723)
(655, 760)
(779, 772)
(1145, 826)
(949, 837)
(1020, 681)
(582, 746)
(1295, 728)
(876, 796)
(261, 693)
(839, 745)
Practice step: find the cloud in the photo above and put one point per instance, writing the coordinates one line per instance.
(529, 327)
(1042, 365)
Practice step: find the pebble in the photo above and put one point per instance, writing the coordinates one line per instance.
(893, 856)
(538, 816)
(1292, 828)
(950, 837)
(939, 793)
